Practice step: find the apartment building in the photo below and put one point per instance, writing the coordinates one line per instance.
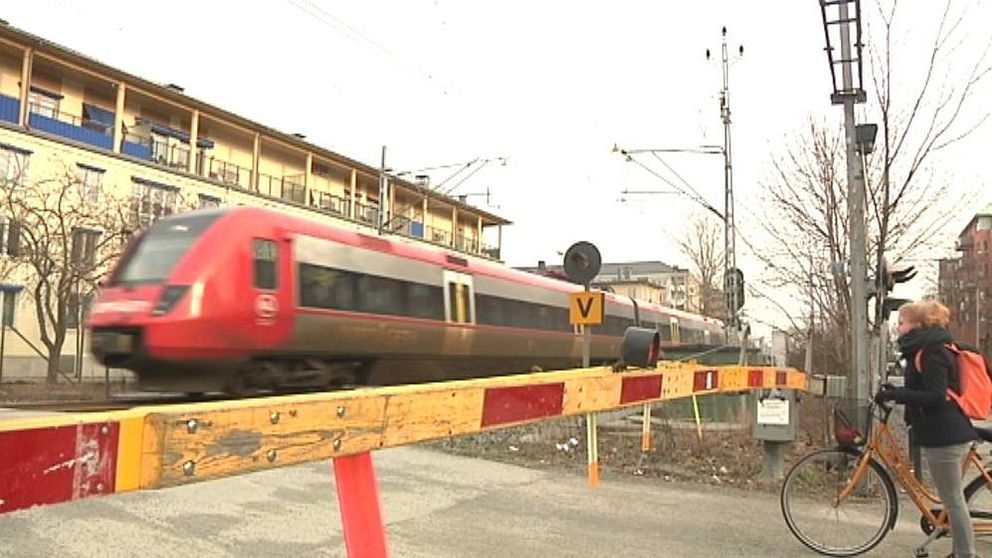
(965, 283)
(61, 111)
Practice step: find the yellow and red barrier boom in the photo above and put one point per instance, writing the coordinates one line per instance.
(63, 457)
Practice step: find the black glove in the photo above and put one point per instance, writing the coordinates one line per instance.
(887, 393)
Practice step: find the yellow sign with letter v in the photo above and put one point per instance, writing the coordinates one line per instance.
(586, 308)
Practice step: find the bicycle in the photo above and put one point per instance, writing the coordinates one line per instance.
(855, 489)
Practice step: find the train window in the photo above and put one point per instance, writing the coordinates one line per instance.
(322, 287)
(265, 254)
(494, 310)
(425, 301)
(664, 331)
(152, 257)
(336, 289)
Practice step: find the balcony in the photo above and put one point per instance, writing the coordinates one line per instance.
(400, 224)
(327, 202)
(10, 109)
(222, 171)
(367, 213)
(159, 151)
(89, 130)
(466, 244)
(289, 188)
(437, 236)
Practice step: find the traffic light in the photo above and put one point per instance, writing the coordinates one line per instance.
(900, 276)
(886, 280)
(892, 277)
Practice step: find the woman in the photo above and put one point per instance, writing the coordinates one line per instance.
(939, 426)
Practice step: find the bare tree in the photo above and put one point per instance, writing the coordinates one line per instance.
(63, 235)
(702, 244)
(909, 201)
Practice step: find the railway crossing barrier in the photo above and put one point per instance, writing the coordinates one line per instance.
(64, 457)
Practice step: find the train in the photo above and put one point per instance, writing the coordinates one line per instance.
(244, 300)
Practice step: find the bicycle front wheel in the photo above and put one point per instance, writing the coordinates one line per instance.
(826, 525)
(978, 493)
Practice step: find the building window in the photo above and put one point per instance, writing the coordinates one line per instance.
(14, 163)
(84, 243)
(10, 237)
(265, 255)
(151, 201)
(207, 201)
(45, 103)
(90, 182)
(9, 307)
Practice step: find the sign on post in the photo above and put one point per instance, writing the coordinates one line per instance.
(586, 308)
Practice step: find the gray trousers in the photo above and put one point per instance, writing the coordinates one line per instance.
(944, 464)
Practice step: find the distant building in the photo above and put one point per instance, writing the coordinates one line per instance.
(965, 283)
(649, 281)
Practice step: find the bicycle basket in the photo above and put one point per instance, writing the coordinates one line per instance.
(846, 432)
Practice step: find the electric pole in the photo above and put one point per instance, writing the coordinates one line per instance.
(731, 277)
(849, 94)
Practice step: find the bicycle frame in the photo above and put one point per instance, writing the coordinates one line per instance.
(884, 447)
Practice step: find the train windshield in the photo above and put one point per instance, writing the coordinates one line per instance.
(152, 258)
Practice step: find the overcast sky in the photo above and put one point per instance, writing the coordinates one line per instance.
(552, 86)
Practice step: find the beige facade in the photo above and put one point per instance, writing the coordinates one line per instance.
(60, 111)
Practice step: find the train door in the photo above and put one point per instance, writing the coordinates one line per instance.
(676, 330)
(459, 298)
(459, 308)
(271, 294)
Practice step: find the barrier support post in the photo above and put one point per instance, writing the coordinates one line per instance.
(358, 498)
(592, 449)
(646, 429)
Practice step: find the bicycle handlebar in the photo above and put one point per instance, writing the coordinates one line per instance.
(886, 406)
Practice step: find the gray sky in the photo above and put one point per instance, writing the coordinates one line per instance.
(550, 85)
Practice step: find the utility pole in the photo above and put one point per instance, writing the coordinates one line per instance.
(849, 94)
(856, 220)
(729, 231)
(384, 210)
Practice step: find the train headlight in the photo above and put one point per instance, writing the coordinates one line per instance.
(641, 347)
(170, 296)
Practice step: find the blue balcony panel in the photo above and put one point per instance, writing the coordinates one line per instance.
(10, 109)
(417, 229)
(138, 150)
(66, 130)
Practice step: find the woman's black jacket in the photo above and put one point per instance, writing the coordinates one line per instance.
(936, 420)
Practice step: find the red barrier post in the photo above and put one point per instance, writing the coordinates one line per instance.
(358, 497)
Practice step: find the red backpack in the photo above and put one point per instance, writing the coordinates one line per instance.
(975, 398)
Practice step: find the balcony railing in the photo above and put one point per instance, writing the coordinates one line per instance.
(228, 173)
(10, 109)
(325, 201)
(158, 151)
(70, 126)
(437, 236)
(367, 213)
(288, 188)
(466, 244)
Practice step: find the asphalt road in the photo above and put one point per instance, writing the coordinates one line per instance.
(436, 506)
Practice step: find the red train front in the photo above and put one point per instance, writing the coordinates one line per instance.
(196, 295)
